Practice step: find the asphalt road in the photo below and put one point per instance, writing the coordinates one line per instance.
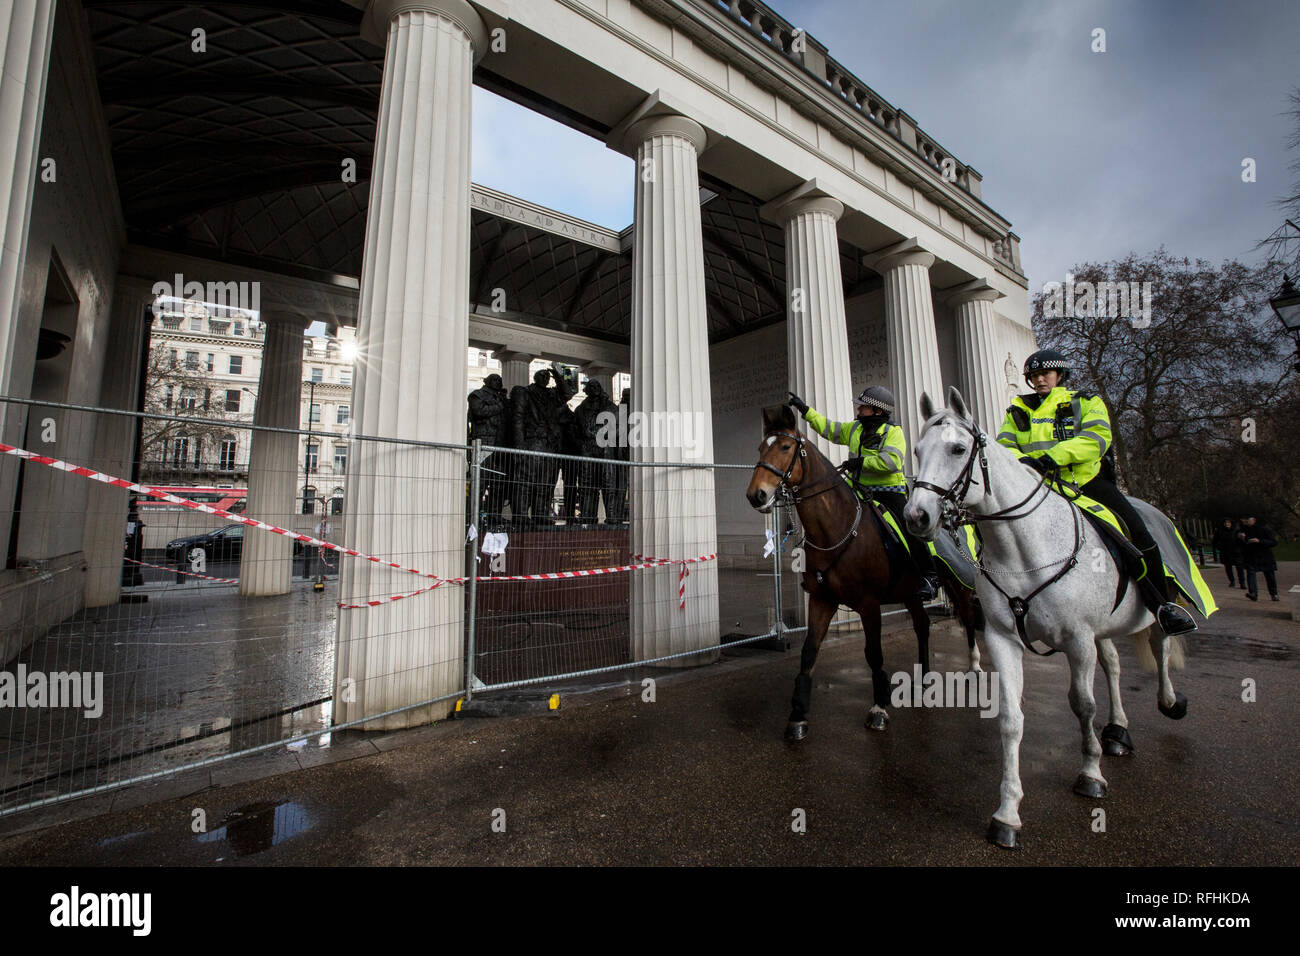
(703, 776)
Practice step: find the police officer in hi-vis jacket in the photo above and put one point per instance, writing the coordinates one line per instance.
(1063, 433)
(877, 450)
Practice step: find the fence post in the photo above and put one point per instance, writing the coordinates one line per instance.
(475, 496)
(776, 570)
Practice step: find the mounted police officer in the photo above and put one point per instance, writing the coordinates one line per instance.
(875, 469)
(1066, 434)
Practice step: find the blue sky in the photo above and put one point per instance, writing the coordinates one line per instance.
(1089, 155)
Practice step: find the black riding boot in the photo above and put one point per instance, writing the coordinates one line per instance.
(1172, 618)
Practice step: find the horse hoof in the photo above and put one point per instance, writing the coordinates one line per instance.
(1115, 741)
(1090, 787)
(1179, 710)
(877, 720)
(796, 730)
(999, 834)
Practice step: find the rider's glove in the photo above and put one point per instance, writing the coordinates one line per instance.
(798, 403)
(1042, 465)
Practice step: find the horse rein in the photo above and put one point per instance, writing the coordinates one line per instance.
(953, 515)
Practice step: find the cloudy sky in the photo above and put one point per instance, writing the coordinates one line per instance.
(1089, 155)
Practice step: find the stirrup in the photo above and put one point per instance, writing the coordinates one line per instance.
(1174, 619)
(929, 587)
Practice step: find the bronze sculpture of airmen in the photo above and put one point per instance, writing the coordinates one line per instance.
(536, 411)
(489, 423)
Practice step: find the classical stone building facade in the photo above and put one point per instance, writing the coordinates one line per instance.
(792, 230)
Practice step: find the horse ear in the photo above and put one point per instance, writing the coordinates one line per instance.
(958, 404)
(927, 407)
(777, 417)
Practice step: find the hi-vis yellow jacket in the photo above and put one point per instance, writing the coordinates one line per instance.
(1070, 428)
(882, 450)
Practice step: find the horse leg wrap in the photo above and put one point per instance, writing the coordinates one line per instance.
(880, 688)
(801, 702)
(1115, 741)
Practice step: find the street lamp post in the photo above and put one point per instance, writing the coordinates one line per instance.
(311, 402)
(1286, 304)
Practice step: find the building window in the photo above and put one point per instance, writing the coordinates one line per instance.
(336, 502)
(236, 365)
(345, 376)
(314, 414)
(180, 448)
(239, 329)
(343, 415)
(167, 403)
(198, 452)
(309, 500)
(196, 324)
(172, 355)
(207, 400)
(318, 375)
(313, 457)
(210, 362)
(340, 458)
(192, 360)
(228, 446)
(233, 396)
(189, 399)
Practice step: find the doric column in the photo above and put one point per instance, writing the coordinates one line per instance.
(817, 339)
(106, 506)
(913, 345)
(978, 363)
(266, 566)
(26, 31)
(514, 367)
(407, 503)
(672, 511)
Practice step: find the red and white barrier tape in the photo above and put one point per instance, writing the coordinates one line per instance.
(99, 476)
(193, 574)
(206, 509)
(553, 576)
(681, 575)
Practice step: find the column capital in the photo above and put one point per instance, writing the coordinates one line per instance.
(504, 354)
(380, 15)
(906, 253)
(807, 197)
(284, 319)
(660, 113)
(973, 291)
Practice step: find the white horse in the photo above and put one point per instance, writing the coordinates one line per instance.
(1038, 549)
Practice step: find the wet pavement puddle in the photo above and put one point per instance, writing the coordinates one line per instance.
(260, 826)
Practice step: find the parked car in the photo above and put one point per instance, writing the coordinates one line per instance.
(224, 544)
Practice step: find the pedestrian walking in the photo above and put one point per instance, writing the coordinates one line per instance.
(1259, 541)
(1228, 549)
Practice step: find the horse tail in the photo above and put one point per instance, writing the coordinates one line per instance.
(1142, 648)
(1147, 660)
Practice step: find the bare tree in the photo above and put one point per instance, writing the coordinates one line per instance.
(196, 411)
(1179, 382)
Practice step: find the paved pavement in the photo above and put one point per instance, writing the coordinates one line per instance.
(702, 775)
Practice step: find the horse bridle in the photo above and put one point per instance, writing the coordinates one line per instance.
(954, 514)
(787, 487)
(791, 492)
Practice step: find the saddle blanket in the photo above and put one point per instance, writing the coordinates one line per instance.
(958, 555)
(1180, 568)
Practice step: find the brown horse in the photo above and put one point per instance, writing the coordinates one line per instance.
(846, 563)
